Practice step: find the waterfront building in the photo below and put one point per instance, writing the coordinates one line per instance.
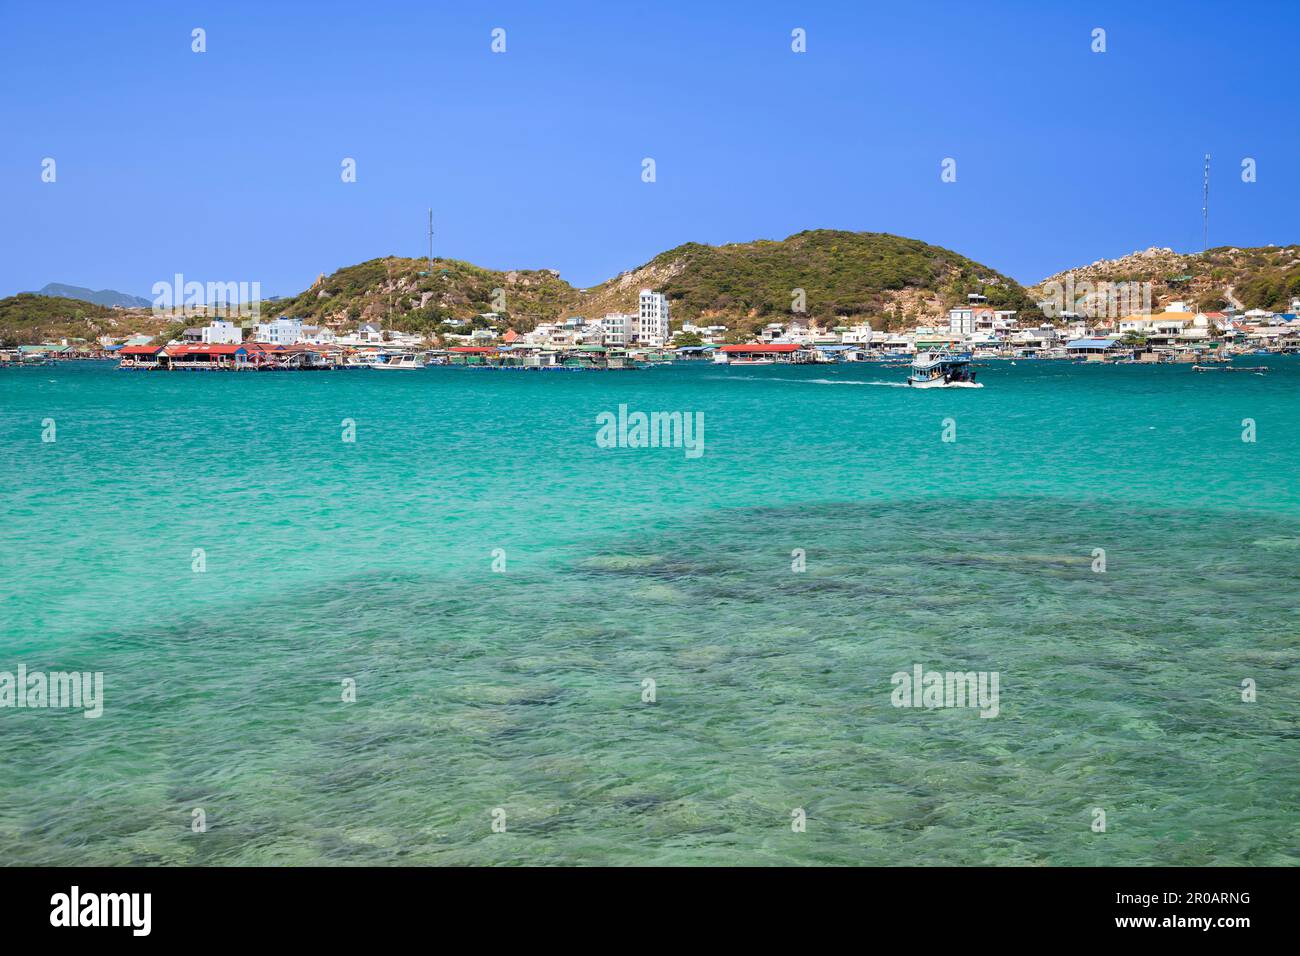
(653, 319)
(281, 331)
(761, 353)
(1092, 348)
(318, 335)
(617, 327)
(221, 332)
(139, 356)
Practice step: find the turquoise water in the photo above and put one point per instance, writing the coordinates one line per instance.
(522, 689)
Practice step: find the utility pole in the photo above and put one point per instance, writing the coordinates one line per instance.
(1205, 207)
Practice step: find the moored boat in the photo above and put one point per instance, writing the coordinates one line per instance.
(401, 363)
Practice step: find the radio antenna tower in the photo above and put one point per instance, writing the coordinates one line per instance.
(431, 240)
(1205, 207)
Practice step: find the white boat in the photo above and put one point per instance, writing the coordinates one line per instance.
(400, 363)
(942, 369)
(757, 361)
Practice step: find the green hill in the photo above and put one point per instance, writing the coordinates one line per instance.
(405, 294)
(889, 279)
(856, 275)
(29, 318)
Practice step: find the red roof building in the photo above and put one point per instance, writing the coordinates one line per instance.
(769, 348)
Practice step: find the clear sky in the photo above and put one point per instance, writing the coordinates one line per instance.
(226, 165)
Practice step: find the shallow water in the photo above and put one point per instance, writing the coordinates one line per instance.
(522, 690)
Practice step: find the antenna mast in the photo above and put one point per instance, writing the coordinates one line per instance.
(431, 240)
(1205, 207)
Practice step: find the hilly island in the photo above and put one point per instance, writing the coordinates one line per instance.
(888, 281)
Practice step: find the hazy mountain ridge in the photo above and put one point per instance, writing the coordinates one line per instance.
(108, 297)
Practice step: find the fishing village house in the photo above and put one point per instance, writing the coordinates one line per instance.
(318, 335)
(367, 334)
(858, 335)
(573, 331)
(617, 327)
(222, 332)
(969, 319)
(281, 331)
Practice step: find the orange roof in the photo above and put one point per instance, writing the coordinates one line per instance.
(204, 349)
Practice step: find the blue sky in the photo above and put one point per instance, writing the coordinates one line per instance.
(225, 165)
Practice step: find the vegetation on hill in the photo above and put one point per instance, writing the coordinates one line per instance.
(1264, 277)
(28, 318)
(405, 294)
(845, 276)
(848, 276)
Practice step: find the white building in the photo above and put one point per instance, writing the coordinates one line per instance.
(857, 335)
(618, 327)
(961, 321)
(281, 331)
(221, 332)
(571, 332)
(318, 335)
(653, 320)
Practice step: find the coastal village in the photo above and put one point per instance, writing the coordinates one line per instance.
(1175, 332)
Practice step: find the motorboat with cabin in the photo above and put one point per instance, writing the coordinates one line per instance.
(400, 362)
(942, 368)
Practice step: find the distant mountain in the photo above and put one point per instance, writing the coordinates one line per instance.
(109, 297)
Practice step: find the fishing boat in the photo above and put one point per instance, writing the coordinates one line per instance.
(942, 368)
(1229, 368)
(400, 363)
(752, 361)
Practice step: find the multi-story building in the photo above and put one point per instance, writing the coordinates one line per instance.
(221, 332)
(618, 326)
(652, 320)
(281, 331)
(961, 321)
